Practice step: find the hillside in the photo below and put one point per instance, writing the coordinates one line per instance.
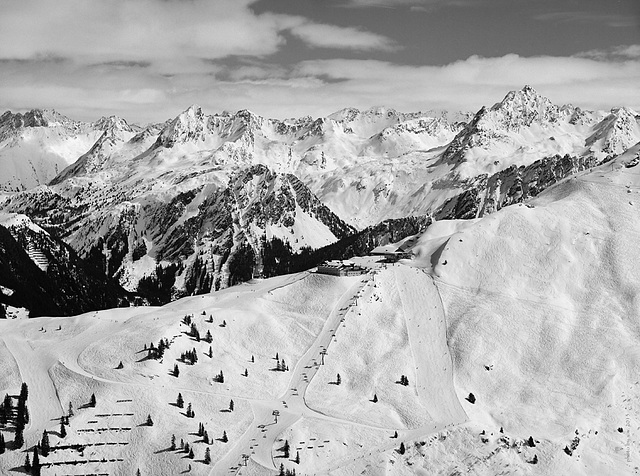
(519, 324)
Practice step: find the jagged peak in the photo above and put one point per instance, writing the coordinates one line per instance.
(527, 97)
(33, 118)
(189, 125)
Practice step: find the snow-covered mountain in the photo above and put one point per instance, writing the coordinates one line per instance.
(44, 276)
(186, 201)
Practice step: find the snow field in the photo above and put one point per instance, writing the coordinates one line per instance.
(371, 350)
(324, 446)
(543, 319)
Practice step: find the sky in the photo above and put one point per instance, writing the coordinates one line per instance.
(147, 60)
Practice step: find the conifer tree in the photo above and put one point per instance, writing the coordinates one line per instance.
(285, 449)
(338, 379)
(531, 443)
(208, 337)
(180, 401)
(27, 464)
(35, 465)
(277, 356)
(149, 421)
(173, 442)
(44, 444)
(18, 440)
(190, 413)
(70, 412)
(207, 456)
(3, 444)
(186, 447)
(181, 444)
(253, 359)
(231, 406)
(224, 437)
(176, 371)
(191, 455)
(24, 392)
(281, 473)
(7, 402)
(375, 398)
(205, 437)
(210, 353)
(92, 400)
(401, 450)
(297, 457)
(63, 430)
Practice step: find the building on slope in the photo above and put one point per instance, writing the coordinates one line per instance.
(341, 268)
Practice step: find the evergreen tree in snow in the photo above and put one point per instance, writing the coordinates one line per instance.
(173, 443)
(207, 456)
(285, 449)
(231, 405)
(191, 455)
(338, 379)
(375, 398)
(224, 437)
(246, 373)
(45, 447)
(3, 444)
(35, 465)
(179, 401)
(27, 464)
(401, 450)
(70, 412)
(24, 392)
(18, 439)
(297, 460)
(176, 371)
(205, 437)
(63, 430)
(92, 400)
(208, 337)
(149, 421)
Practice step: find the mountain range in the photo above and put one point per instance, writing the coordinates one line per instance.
(201, 201)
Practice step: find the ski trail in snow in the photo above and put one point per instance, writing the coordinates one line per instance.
(43, 394)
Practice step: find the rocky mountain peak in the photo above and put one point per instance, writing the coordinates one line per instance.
(522, 108)
(188, 126)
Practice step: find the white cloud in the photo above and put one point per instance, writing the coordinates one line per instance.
(330, 36)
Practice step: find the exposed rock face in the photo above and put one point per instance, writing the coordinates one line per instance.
(487, 194)
(42, 274)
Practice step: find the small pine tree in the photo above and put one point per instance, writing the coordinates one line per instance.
(70, 412)
(205, 437)
(338, 379)
(3, 444)
(535, 459)
(120, 365)
(24, 392)
(138, 472)
(231, 405)
(27, 463)
(297, 460)
(208, 337)
(191, 455)
(401, 450)
(149, 421)
(173, 442)
(224, 437)
(224, 323)
(18, 440)
(246, 373)
(92, 400)
(189, 411)
(277, 356)
(375, 398)
(253, 359)
(531, 443)
(471, 398)
(395, 434)
(63, 430)
(176, 371)
(180, 401)
(35, 465)
(210, 352)
(181, 444)
(281, 473)
(286, 449)
(44, 444)
(186, 448)
(207, 456)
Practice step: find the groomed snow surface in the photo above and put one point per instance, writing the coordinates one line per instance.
(533, 310)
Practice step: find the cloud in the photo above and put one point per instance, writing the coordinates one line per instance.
(611, 20)
(330, 36)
